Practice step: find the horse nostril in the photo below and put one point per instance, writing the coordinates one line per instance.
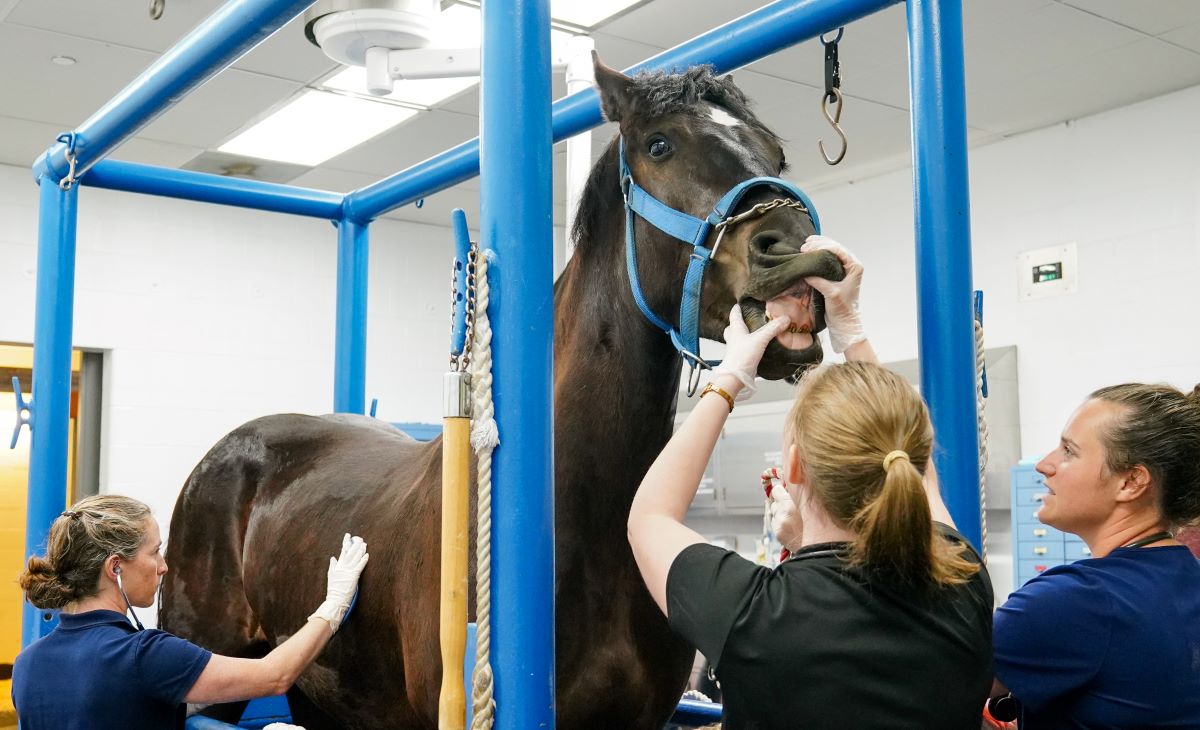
(762, 242)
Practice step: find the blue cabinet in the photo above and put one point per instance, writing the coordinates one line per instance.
(1037, 547)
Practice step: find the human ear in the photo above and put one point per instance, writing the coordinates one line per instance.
(1135, 483)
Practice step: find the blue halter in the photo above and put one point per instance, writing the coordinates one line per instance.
(693, 231)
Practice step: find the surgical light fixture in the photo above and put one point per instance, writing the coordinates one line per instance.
(315, 126)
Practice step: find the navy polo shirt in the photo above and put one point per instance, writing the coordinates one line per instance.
(1106, 643)
(95, 671)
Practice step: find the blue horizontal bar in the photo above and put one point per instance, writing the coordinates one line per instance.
(225, 36)
(753, 36)
(207, 188)
(695, 713)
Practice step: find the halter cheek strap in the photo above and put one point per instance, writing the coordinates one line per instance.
(695, 232)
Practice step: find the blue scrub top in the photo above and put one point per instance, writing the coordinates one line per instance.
(95, 671)
(1111, 642)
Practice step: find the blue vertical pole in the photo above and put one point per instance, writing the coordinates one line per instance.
(350, 345)
(515, 156)
(943, 231)
(51, 410)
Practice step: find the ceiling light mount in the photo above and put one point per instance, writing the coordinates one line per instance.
(345, 29)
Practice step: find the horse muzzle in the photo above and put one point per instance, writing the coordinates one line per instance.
(777, 286)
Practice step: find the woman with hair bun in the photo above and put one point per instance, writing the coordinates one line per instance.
(881, 616)
(1113, 641)
(97, 671)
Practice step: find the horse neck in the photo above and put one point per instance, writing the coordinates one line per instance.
(615, 386)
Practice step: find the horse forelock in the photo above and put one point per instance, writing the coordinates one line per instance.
(658, 93)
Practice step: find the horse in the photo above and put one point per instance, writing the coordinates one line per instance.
(258, 515)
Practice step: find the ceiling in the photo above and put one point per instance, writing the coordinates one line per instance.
(1029, 64)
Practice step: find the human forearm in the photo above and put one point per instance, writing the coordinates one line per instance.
(670, 485)
(861, 351)
(287, 660)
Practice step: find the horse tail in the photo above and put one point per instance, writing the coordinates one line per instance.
(203, 595)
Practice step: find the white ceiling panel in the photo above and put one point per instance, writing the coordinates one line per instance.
(211, 114)
(416, 140)
(1187, 37)
(31, 87)
(1151, 17)
(286, 54)
(1030, 63)
(667, 24)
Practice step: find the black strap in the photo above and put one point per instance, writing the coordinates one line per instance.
(1150, 539)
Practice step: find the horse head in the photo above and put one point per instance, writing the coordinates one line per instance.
(708, 220)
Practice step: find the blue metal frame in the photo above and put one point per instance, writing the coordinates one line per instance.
(50, 409)
(515, 56)
(516, 199)
(945, 330)
(350, 341)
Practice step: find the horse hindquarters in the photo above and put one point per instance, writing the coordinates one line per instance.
(203, 599)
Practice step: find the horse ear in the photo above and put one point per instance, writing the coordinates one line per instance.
(614, 89)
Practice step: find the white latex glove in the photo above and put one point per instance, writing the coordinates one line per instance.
(744, 349)
(343, 581)
(282, 726)
(841, 297)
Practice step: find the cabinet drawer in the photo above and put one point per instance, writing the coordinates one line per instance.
(1040, 550)
(1028, 479)
(1027, 569)
(1036, 532)
(1025, 514)
(1077, 550)
(1031, 496)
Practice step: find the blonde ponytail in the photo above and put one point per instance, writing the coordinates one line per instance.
(864, 437)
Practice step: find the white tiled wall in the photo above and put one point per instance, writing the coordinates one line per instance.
(1124, 186)
(211, 316)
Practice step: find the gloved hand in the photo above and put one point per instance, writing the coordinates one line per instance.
(841, 297)
(744, 349)
(282, 726)
(343, 581)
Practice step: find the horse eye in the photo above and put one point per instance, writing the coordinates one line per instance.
(659, 147)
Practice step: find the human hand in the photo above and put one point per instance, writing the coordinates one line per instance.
(282, 726)
(744, 349)
(342, 580)
(841, 297)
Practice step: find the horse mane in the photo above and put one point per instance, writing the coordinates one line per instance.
(654, 94)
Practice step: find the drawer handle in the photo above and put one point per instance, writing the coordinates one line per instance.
(1039, 551)
(1039, 568)
(1039, 497)
(1039, 532)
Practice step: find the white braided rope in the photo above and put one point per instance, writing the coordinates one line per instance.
(981, 419)
(484, 438)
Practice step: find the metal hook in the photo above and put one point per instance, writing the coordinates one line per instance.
(834, 122)
(156, 8)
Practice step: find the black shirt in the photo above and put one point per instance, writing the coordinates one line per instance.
(817, 643)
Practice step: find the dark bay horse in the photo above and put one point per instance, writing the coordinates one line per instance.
(258, 517)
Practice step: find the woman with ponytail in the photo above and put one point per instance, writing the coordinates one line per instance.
(97, 671)
(882, 616)
(1114, 641)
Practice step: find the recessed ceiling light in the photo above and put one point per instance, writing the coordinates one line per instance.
(315, 126)
(62, 60)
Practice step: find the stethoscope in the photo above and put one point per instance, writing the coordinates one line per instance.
(121, 588)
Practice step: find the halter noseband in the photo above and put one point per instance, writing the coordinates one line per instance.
(694, 231)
